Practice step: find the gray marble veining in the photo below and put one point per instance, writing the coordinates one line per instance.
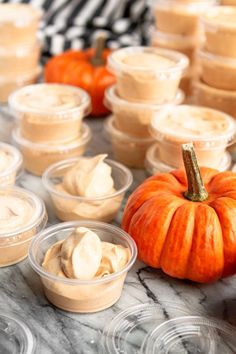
(66, 333)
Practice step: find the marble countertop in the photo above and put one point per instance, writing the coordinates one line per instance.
(67, 333)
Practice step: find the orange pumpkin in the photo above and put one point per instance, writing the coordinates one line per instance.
(85, 69)
(182, 227)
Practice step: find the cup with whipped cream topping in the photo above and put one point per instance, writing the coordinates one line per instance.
(10, 83)
(210, 131)
(18, 24)
(22, 216)
(180, 17)
(87, 188)
(219, 25)
(127, 149)
(38, 156)
(134, 118)
(82, 264)
(50, 112)
(147, 74)
(154, 165)
(11, 162)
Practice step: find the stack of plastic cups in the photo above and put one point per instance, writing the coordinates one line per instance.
(50, 127)
(177, 28)
(19, 47)
(216, 87)
(147, 80)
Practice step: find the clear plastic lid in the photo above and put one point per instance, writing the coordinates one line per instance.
(24, 50)
(54, 94)
(154, 165)
(116, 64)
(112, 98)
(220, 17)
(183, 41)
(218, 94)
(173, 125)
(21, 79)
(127, 330)
(20, 15)
(15, 163)
(83, 139)
(191, 334)
(15, 336)
(217, 59)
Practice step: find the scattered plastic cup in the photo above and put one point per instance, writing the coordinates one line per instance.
(12, 171)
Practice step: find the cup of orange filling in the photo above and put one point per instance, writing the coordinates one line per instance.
(11, 162)
(87, 188)
(210, 131)
(82, 264)
(147, 74)
(50, 112)
(22, 216)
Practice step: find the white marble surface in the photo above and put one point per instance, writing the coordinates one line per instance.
(61, 332)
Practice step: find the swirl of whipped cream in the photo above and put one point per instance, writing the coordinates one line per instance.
(5, 160)
(82, 255)
(14, 212)
(90, 177)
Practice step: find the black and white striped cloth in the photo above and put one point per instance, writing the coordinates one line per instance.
(75, 23)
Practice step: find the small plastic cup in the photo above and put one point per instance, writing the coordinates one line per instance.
(217, 71)
(43, 115)
(145, 82)
(154, 165)
(70, 207)
(134, 118)
(20, 60)
(37, 157)
(19, 24)
(219, 25)
(73, 294)
(180, 17)
(10, 172)
(14, 241)
(222, 100)
(10, 83)
(181, 43)
(210, 131)
(127, 149)
(193, 334)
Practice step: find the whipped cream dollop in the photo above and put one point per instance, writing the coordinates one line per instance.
(192, 122)
(90, 177)
(147, 61)
(50, 97)
(6, 160)
(82, 255)
(14, 212)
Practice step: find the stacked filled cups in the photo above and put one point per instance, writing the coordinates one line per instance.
(147, 80)
(216, 87)
(50, 127)
(19, 47)
(177, 28)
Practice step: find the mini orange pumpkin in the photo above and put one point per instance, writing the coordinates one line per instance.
(85, 69)
(182, 227)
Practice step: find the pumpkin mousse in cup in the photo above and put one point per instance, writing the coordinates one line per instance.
(82, 264)
(38, 156)
(22, 216)
(89, 188)
(147, 74)
(10, 164)
(127, 149)
(219, 25)
(50, 112)
(19, 24)
(134, 118)
(210, 131)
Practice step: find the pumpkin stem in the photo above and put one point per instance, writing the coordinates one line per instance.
(196, 191)
(97, 59)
